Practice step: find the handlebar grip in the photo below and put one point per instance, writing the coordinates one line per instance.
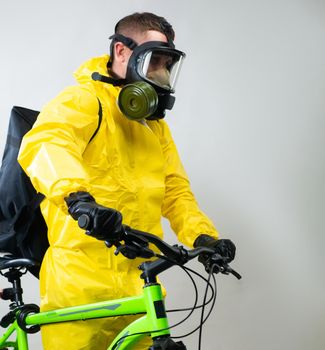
(84, 221)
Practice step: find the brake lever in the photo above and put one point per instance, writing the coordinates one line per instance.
(134, 246)
(134, 251)
(130, 237)
(235, 273)
(220, 264)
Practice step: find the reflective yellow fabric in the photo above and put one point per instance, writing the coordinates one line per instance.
(129, 166)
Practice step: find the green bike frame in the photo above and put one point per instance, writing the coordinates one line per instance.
(21, 338)
(150, 303)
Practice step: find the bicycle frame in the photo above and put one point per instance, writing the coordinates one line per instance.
(26, 318)
(150, 303)
(21, 339)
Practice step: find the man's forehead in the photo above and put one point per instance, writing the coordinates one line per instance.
(149, 35)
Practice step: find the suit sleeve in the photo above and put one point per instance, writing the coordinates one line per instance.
(51, 152)
(180, 206)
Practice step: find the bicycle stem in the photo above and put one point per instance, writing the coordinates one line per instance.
(150, 269)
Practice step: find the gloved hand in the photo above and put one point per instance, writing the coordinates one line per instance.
(105, 223)
(223, 247)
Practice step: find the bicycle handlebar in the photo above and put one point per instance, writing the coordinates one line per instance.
(136, 244)
(178, 254)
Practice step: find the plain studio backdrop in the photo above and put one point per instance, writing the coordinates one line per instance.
(249, 125)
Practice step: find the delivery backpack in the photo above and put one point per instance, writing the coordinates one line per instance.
(23, 231)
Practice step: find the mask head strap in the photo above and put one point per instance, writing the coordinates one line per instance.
(130, 43)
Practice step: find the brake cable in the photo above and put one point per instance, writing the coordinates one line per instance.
(209, 313)
(202, 312)
(206, 281)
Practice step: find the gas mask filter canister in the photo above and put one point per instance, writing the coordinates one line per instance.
(138, 100)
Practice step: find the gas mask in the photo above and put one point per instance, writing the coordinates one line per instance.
(150, 79)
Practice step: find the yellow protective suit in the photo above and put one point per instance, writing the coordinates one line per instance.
(128, 166)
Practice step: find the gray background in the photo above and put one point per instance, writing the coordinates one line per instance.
(249, 124)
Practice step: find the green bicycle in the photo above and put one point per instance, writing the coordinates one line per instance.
(23, 319)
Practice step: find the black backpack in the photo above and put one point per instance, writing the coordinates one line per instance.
(23, 231)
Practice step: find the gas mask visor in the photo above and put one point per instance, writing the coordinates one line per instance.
(159, 65)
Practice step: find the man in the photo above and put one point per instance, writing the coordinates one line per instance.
(131, 166)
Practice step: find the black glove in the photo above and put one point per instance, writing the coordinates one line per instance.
(104, 223)
(223, 247)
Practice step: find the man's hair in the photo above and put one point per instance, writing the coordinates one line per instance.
(141, 22)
